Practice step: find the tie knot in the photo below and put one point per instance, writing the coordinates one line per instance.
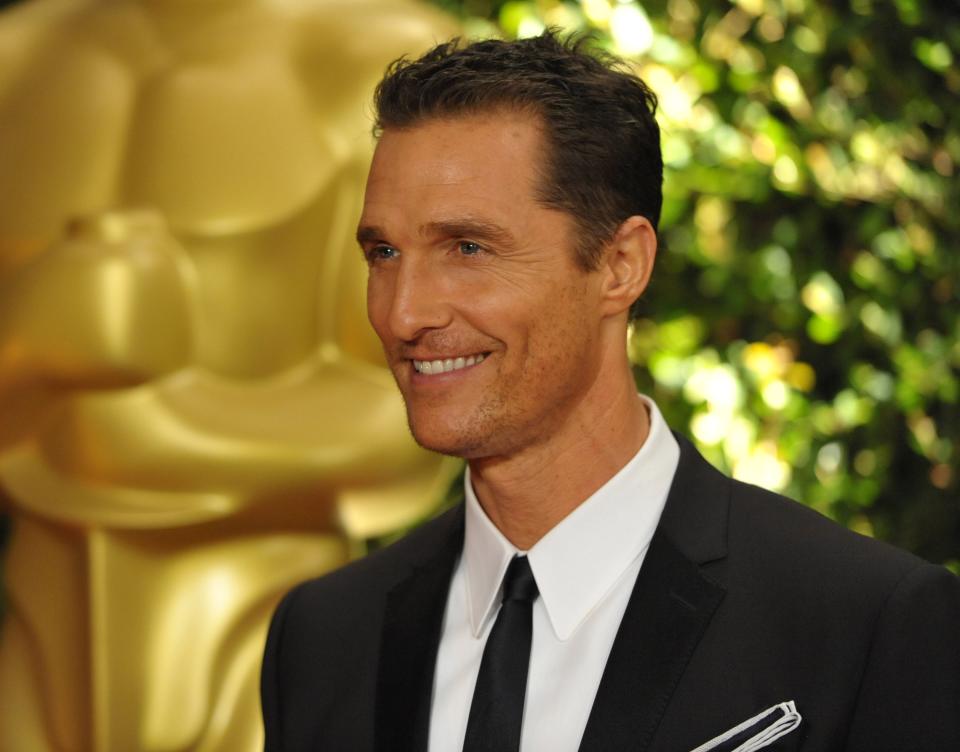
(518, 582)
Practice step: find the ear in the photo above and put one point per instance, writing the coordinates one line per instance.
(628, 264)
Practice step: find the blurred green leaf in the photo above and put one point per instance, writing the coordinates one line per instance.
(803, 323)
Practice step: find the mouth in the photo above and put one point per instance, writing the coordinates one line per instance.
(446, 365)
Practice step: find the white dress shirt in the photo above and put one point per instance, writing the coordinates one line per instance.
(585, 568)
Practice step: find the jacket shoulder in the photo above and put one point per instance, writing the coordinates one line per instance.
(321, 659)
(369, 578)
(799, 546)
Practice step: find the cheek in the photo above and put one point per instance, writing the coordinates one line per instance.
(559, 332)
(376, 305)
(574, 323)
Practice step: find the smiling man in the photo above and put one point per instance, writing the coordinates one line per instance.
(467, 263)
(601, 587)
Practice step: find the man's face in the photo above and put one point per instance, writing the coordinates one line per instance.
(489, 326)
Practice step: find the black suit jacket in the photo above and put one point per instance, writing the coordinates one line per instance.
(745, 599)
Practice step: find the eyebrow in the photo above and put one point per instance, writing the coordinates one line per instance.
(369, 233)
(463, 227)
(468, 228)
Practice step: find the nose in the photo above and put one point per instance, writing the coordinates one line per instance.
(408, 300)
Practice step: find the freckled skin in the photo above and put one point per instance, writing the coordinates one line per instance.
(464, 260)
(521, 298)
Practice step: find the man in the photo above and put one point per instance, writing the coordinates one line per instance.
(648, 602)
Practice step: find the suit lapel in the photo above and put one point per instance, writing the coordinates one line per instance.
(669, 609)
(413, 619)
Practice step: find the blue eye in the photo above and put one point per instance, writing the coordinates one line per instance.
(381, 253)
(469, 248)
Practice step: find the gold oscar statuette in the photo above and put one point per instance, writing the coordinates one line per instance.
(194, 413)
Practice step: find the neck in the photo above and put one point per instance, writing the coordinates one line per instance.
(526, 494)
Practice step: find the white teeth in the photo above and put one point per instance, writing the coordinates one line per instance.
(445, 366)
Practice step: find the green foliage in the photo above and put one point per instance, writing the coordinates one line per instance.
(803, 326)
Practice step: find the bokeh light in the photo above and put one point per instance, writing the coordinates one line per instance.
(803, 325)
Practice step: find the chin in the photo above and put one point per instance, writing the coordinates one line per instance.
(443, 445)
(449, 440)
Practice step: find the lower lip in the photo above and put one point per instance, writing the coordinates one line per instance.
(426, 379)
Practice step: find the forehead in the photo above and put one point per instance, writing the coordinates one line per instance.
(474, 139)
(493, 158)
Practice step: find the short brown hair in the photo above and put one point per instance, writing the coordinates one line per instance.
(603, 161)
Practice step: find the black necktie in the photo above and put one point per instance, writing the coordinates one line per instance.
(496, 712)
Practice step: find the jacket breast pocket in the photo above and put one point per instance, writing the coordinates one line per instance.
(775, 729)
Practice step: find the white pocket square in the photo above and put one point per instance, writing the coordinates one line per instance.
(758, 732)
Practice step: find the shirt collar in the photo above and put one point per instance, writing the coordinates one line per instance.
(580, 560)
